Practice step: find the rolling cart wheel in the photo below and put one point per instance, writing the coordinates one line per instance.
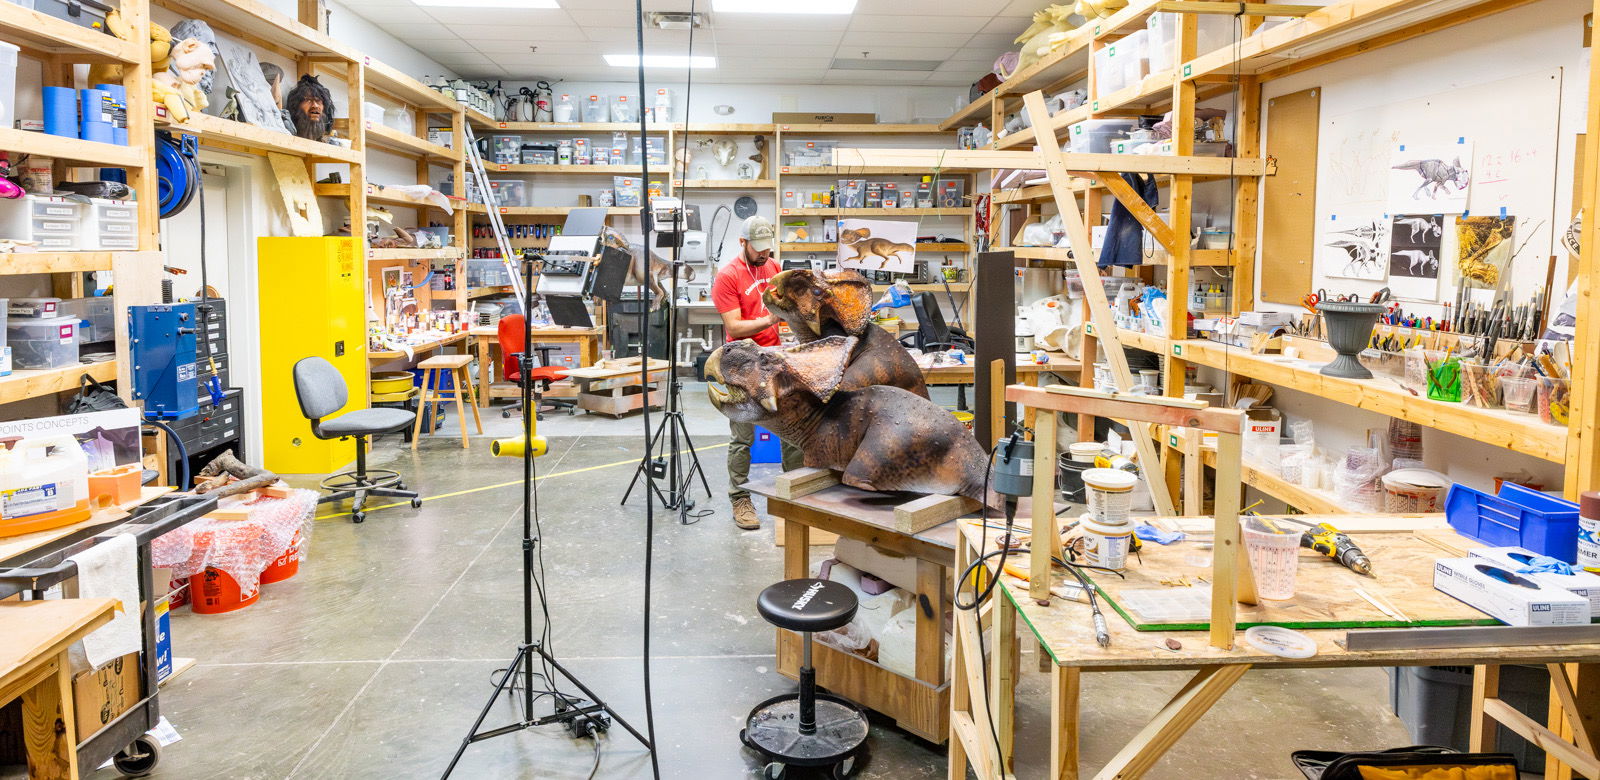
(358, 517)
(416, 503)
(843, 769)
(139, 758)
(775, 771)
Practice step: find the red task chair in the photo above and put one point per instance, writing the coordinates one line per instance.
(512, 348)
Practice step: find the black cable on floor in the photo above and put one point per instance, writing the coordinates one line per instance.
(644, 376)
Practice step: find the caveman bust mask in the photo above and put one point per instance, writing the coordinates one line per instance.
(311, 108)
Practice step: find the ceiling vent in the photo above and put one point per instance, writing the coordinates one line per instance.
(677, 20)
(865, 64)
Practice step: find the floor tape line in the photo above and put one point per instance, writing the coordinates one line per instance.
(540, 478)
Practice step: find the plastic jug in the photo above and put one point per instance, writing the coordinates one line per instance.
(44, 484)
(566, 110)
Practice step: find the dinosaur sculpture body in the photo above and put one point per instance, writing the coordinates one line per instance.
(882, 438)
(839, 303)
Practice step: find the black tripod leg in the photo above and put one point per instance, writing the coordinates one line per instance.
(644, 464)
(695, 457)
(562, 670)
(499, 688)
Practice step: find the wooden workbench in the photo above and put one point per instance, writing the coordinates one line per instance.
(1062, 630)
(486, 340)
(35, 668)
(1027, 373)
(616, 387)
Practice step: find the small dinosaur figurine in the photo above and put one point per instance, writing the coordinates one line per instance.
(882, 438)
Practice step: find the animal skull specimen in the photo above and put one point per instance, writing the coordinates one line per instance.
(724, 150)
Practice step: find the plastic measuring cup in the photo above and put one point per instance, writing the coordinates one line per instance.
(1517, 393)
(1274, 552)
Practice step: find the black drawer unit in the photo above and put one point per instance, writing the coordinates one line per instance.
(216, 427)
(216, 328)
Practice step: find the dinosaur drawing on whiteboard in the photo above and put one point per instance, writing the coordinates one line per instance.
(1418, 260)
(1424, 225)
(1438, 177)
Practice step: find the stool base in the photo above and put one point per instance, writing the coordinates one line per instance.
(773, 730)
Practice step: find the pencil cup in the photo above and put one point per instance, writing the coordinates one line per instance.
(1444, 376)
(1274, 555)
(1517, 393)
(1554, 400)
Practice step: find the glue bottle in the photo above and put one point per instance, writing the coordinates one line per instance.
(1589, 531)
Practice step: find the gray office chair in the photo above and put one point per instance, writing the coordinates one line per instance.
(320, 389)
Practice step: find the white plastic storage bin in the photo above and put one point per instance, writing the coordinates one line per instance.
(38, 344)
(1109, 74)
(110, 225)
(34, 308)
(8, 84)
(1214, 31)
(56, 223)
(1135, 57)
(1095, 136)
(95, 318)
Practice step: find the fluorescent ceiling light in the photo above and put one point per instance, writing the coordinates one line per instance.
(661, 61)
(783, 6)
(488, 3)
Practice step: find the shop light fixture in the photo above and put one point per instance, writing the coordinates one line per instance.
(509, 4)
(662, 61)
(783, 6)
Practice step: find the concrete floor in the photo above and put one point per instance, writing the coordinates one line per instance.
(373, 661)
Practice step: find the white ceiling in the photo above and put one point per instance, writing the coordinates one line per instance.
(965, 36)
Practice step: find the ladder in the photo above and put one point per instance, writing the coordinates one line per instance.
(496, 224)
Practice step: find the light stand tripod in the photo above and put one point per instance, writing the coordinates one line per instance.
(581, 717)
(673, 433)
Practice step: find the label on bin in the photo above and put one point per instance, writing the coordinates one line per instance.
(67, 333)
(34, 500)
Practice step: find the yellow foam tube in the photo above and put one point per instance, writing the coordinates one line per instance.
(515, 446)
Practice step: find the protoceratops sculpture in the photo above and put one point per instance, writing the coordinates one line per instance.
(882, 438)
(839, 303)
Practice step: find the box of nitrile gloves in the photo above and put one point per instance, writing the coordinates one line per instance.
(1507, 596)
(1579, 582)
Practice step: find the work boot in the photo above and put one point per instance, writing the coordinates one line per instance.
(744, 514)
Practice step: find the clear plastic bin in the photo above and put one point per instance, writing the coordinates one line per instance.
(1096, 136)
(54, 222)
(1109, 75)
(8, 83)
(39, 344)
(97, 313)
(487, 273)
(34, 308)
(1135, 58)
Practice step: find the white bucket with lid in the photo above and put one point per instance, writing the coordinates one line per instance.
(1110, 494)
(1414, 490)
(1105, 544)
(1084, 451)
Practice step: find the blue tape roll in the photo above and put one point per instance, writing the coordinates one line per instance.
(61, 111)
(118, 92)
(97, 131)
(119, 136)
(93, 106)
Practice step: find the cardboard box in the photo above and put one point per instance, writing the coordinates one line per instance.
(797, 118)
(98, 697)
(163, 639)
(1507, 596)
(1581, 583)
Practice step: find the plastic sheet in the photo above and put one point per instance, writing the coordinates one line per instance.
(1355, 479)
(241, 548)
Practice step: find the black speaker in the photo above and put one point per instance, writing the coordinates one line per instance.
(610, 274)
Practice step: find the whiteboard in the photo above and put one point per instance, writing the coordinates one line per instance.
(1511, 126)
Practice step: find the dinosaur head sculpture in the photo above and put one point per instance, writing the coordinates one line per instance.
(832, 303)
(751, 383)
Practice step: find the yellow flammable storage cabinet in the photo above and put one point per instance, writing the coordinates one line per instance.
(312, 305)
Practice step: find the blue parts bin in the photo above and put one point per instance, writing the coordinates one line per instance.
(1517, 517)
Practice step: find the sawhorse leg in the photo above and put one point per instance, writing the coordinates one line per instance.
(1172, 722)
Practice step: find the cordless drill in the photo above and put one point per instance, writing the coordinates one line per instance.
(1337, 545)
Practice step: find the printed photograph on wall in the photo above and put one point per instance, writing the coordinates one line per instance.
(1358, 251)
(1483, 250)
(1430, 178)
(1415, 241)
(877, 245)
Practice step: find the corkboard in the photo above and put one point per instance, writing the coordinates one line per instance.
(1289, 199)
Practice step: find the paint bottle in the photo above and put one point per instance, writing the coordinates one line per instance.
(1589, 531)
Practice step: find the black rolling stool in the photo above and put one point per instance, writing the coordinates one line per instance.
(807, 728)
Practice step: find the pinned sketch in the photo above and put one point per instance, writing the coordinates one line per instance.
(877, 245)
(1483, 250)
(1415, 244)
(1358, 252)
(1430, 178)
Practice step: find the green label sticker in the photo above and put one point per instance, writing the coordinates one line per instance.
(1187, 70)
(1095, 108)
(1172, 441)
(1177, 349)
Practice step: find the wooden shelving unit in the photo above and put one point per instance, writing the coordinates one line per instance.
(72, 150)
(233, 136)
(725, 184)
(22, 384)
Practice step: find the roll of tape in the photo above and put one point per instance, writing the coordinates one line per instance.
(60, 111)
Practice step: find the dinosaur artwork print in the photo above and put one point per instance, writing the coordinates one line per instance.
(1430, 179)
(1359, 252)
(877, 245)
(1414, 254)
(1483, 249)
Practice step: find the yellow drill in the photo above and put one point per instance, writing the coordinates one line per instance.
(1337, 545)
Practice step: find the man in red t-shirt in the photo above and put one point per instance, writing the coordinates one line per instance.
(736, 293)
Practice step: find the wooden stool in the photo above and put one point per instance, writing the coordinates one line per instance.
(433, 370)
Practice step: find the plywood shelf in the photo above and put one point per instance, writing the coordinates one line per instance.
(1059, 122)
(41, 33)
(717, 128)
(576, 170)
(972, 113)
(72, 150)
(16, 263)
(1522, 433)
(569, 127)
(395, 84)
(23, 384)
(874, 170)
(1135, 339)
(832, 212)
(725, 184)
(377, 194)
(392, 140)
(955, 287)
(237, 136)
(448, 253)
(854, 129)
(1151, 93)
(485, 292)
(260, 24)
(548, 211)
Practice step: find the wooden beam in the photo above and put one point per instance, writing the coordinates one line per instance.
(1231, 578)
(1485, 686)
(1141, 211)
(1160, 410)
(1542, 738)
(1583, 425)
(1064, 699)
(986, 159)
(1043, 520)
(1003, 673)
(1579, 720)
(1246, 197)
(1172, 722)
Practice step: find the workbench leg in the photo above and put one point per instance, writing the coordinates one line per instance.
(1485, 685)
(930, 622)
(796, 550)
(1064, 693)
(1003, 674)
(960, 686)
(1574, 711)
(974, 724)
(1162, 732)
(485, 372)
(589, 350)
(49, 733)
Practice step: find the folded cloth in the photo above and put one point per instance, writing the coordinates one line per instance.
(108, 570)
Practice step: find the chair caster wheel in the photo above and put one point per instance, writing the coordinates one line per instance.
(358, 517)
(775, 771)
(139, 758)
(843, 769)
(416, 503)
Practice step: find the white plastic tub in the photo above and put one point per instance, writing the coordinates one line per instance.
(35, 344)
(8, 84)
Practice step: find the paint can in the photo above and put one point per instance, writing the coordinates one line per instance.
(1589, 531)
(1105, 544)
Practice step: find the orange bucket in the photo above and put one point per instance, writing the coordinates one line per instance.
(286, 565)
(220, 593)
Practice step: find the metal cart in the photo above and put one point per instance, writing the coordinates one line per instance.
(30, 574)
